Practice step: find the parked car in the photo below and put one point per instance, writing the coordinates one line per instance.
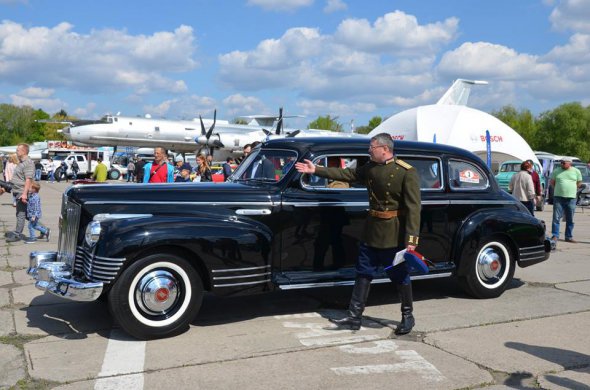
(153, 250)
(509, 168)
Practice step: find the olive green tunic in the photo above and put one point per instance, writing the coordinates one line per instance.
(392, 186)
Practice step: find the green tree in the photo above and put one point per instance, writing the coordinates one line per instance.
(326, 123)
(239, 121)
(565, 130)
(17, 124)
(373, 122)
(523, 122)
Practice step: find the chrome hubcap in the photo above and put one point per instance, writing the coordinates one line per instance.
(157, 292)
(490, 265)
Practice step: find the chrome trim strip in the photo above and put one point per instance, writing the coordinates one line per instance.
(108, 216)
(351, 282)
(239, 269)
(482, 201)
(241, 284)
(533, 258)
(270, 204)
(320, 204)
(540, 247)
(240, 276)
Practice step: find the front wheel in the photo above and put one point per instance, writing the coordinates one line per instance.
(157, 296)
(490, 272)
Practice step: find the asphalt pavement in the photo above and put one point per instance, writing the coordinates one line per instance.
(534, 336)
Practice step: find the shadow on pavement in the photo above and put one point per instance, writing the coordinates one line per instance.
(569, 360)
(70, 320)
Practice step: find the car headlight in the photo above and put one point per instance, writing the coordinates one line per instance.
(92, 233)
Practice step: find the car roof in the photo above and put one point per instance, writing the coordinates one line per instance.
(325, 144)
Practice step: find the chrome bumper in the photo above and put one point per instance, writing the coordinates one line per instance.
(56, 277)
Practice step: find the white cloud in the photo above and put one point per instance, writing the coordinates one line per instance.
(577, 51)
(85, 112)
(335, 6)
(243, 105)
(571, 15)
(398, 33)
(280, 5)
(38, 98)
(103, 60)
(490, 61)
(184, 107)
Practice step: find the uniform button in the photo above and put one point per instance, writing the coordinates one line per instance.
(390, 175)
(387, 193)
(388, 184)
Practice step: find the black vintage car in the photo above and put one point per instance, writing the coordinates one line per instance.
(153, 250)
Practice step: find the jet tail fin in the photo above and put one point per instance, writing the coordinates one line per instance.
(458, 94)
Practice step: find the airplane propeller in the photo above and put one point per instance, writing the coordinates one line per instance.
(206, 135)
(279, 122)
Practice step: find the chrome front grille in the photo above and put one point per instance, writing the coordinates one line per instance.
(69, 222)
(96, 268)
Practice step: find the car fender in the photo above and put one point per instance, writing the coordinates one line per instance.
(203, 239)
(518, 230)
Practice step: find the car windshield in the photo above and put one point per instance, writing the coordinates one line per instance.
(510, 167)
(265, 165)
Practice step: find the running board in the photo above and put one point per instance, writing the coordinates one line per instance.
(351, 282)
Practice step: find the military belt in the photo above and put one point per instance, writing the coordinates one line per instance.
(386, 214)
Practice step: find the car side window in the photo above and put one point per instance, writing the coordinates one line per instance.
(339, 161)
(464, 175)
(429, 171)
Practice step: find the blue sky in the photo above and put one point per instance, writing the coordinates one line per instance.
(351, 59)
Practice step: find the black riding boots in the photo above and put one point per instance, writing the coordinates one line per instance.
(405, 296)
(360, 293)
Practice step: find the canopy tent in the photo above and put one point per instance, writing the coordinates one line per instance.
(459, 126)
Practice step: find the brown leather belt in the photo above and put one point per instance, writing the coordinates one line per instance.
(386, 214)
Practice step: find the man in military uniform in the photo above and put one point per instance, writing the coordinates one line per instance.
(393, 223)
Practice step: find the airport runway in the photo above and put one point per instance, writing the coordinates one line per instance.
(534, 336)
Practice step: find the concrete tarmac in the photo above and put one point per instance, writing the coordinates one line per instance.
(534, 336)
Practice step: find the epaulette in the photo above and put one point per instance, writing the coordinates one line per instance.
(403, 164)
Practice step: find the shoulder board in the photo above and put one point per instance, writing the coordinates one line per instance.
(403, 164)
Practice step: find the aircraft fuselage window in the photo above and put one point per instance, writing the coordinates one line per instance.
(116, 119)
(189, 128)
(130, 123)
(157, 128)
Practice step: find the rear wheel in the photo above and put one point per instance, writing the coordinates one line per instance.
(157, 296)
(491, 270)
(114, 174)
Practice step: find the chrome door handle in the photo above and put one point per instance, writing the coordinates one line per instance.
(253, 211)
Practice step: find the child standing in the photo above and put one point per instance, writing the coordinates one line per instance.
(34, 215)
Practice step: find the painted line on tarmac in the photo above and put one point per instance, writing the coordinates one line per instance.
(122, 367)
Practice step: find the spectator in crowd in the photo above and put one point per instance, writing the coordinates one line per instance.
(246, 152)
(210, 160)
(11, 165)
(75, 169)
(522, 188)
(21, 180)
(1, 166)
(130, 171)
(203, 171)
(227, 168)
(38, 170)
(185, 173)
(177, 166)
(139, 165)
(50, 173)
(536, 183)
(34, 215)
(63, 171)
(565, 181)
(160, 170)
(100, 172)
